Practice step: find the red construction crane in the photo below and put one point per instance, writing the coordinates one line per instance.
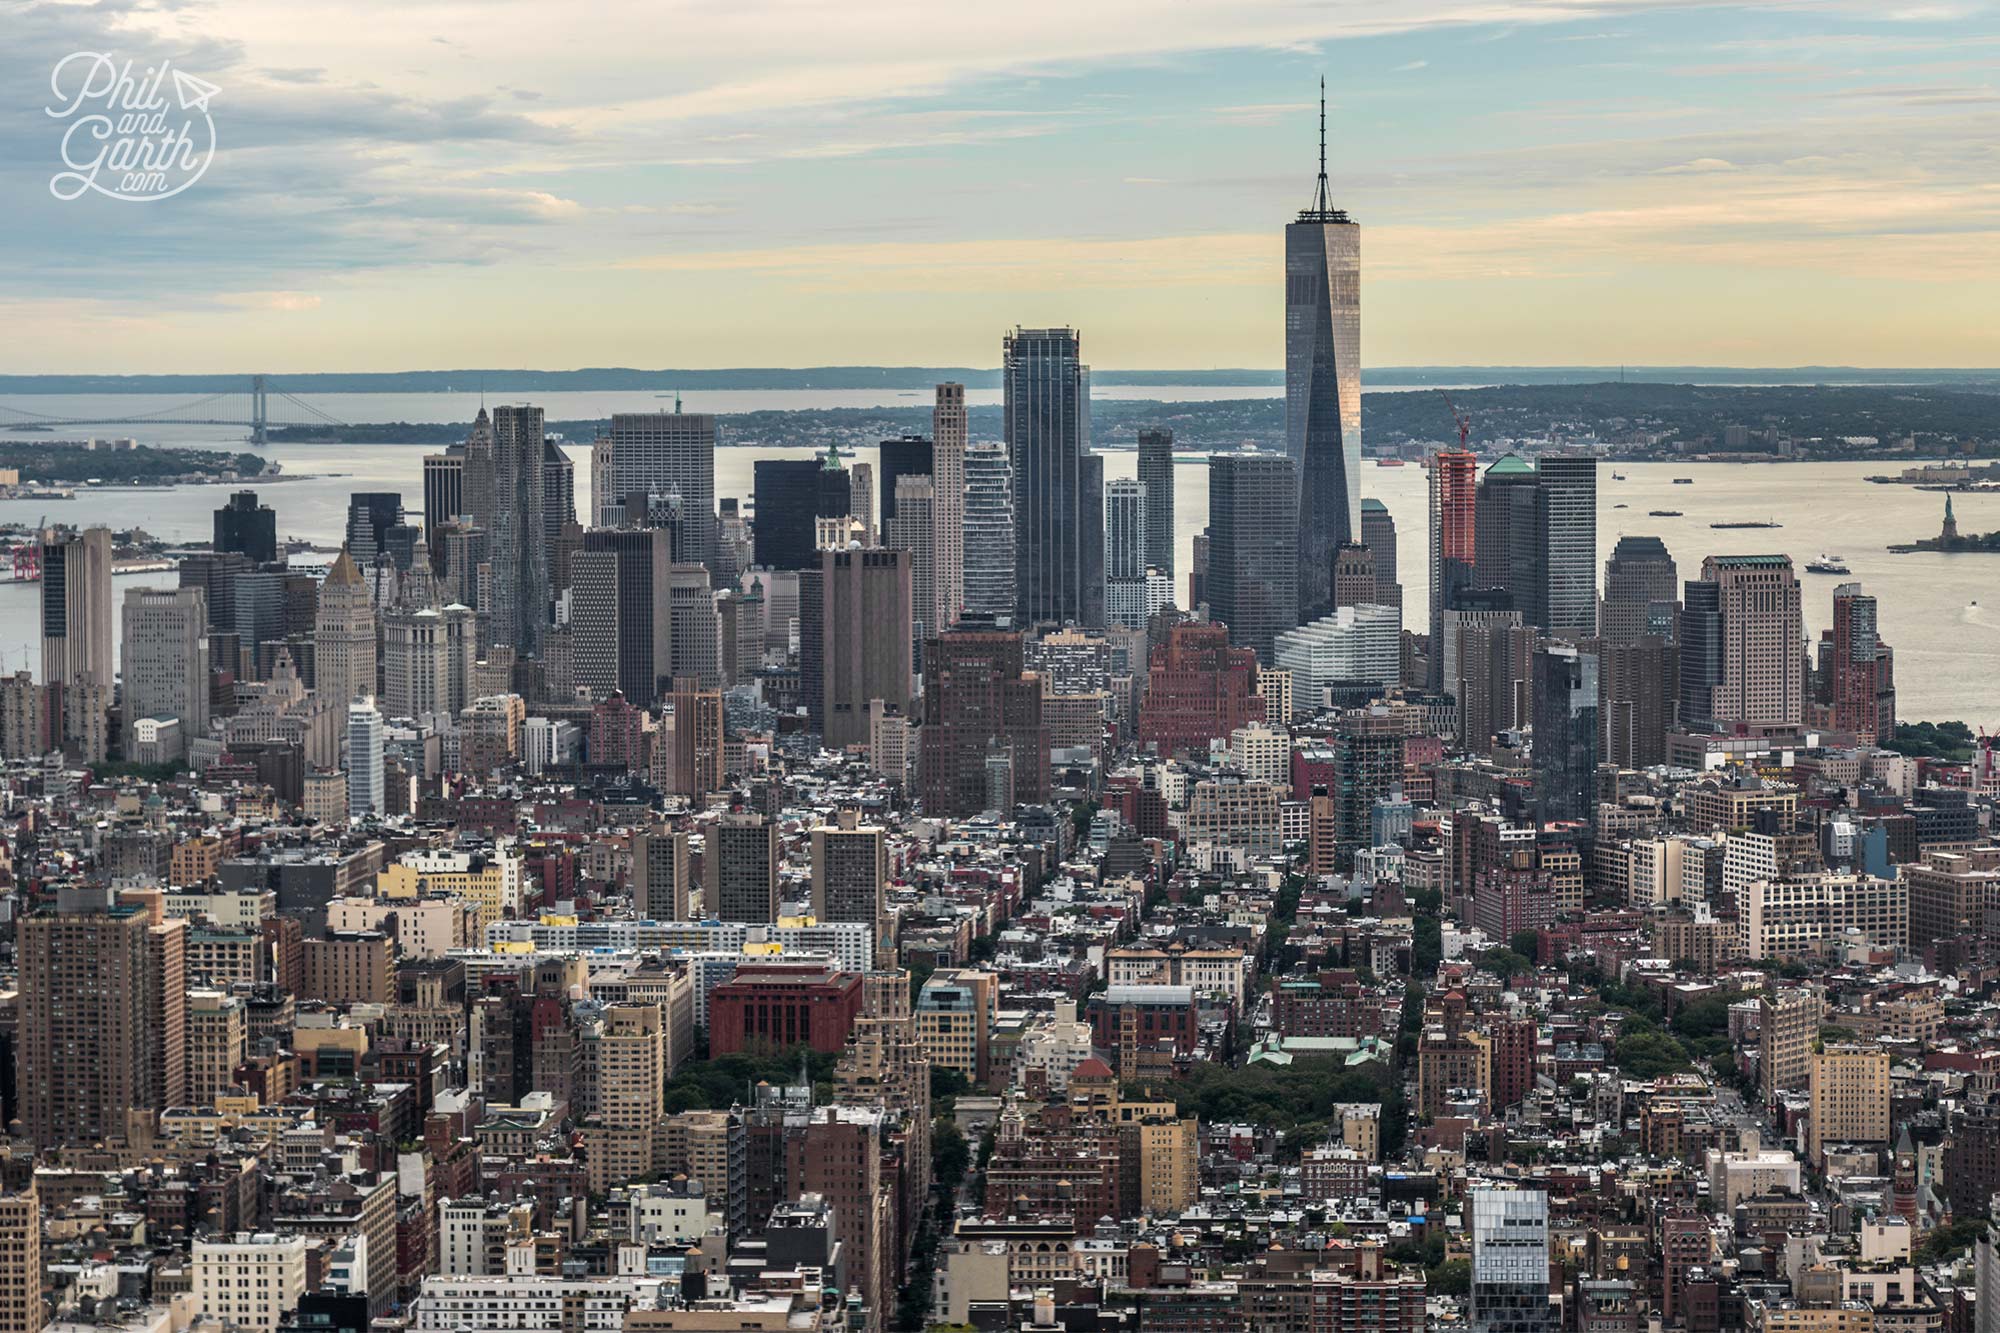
(1464, 421)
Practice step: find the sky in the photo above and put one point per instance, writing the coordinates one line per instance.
(409, 184)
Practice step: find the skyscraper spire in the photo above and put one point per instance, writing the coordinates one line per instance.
(1322, 209)
(1321, 203)
(1323, 383)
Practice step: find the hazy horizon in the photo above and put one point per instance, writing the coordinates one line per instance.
(1570, 182)
(758, 376)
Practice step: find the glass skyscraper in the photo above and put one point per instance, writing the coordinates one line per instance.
(1252, 528)
(1156, 474)
(1125, 530)
(1566, 731)
(1566, 505)
(1323, 385)
(1510, 1262)
(1640, 584)
(1046, 415)
(989, 530)
(665, 454)
(520, 551)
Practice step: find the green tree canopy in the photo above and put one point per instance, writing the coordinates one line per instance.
(1505, 963)
(1650, 1053)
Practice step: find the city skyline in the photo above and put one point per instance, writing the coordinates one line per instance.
(929, 850)
(1747, 160)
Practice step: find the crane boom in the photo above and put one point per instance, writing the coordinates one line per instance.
(1464, 421)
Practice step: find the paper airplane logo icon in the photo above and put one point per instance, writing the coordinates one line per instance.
(194, 93)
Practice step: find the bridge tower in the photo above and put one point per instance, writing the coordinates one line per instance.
(259, 413)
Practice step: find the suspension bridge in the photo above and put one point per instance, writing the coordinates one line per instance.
(256, 407)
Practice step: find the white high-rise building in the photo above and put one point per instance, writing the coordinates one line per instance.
(1130, 603)
(548, 743)
(989, 530)
(367, 790)
(1124, 528)
(1354, 644)
(250, 1281)
(1127, 599)
(1510, 1262)
(1262, 754)
(948, 436)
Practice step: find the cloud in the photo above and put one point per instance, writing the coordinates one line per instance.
(355, 149)
(286, 301)
(1261, 113)
(1701, 166)
(1039, 265)
(1920, 95)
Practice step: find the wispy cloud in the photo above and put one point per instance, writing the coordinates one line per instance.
(1261, 113)
(991, 265)
(1620, 139)
(283, 301)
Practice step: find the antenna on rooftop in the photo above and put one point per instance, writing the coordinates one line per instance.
(1321, 203)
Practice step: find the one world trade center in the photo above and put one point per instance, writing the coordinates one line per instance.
(1323, 384)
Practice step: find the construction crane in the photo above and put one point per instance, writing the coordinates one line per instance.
(1464, 421)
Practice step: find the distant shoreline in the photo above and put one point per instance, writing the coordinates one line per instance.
(621, 379)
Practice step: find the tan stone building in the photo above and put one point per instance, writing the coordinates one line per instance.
(1787, 1024)
(218, 1036)
(357, 967)
(1850, 1098)
(21, 1308)
(344, 636)
(956, 1011)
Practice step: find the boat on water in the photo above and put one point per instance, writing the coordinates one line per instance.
(1766, 523)
(1618, 476)
(1683, 481)
(1663, 513)
(1621, 506)
(1828, 564)
(1388, 462)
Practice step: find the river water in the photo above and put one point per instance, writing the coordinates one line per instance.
(1941, 613)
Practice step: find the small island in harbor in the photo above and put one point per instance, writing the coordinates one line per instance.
(1949, 539)
(59, 463)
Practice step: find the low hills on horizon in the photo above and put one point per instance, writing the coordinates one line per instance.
(501, 382)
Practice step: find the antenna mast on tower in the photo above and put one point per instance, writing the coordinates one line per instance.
(1322, 209)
